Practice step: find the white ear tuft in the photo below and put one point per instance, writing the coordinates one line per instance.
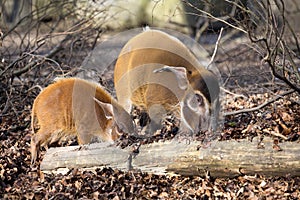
(146, 28)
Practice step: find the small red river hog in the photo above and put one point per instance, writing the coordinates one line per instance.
(159, 74)
(73, 106)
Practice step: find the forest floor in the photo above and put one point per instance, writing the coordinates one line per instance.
(250, 83)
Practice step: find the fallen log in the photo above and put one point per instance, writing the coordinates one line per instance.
(221, 159)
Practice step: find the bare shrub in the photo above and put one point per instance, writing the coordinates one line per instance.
(276, 37)
(46, 41)
(271, 25)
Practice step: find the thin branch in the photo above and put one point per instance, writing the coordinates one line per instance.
(276, 134)
(235, 95)
(260, 106)
(216, 48)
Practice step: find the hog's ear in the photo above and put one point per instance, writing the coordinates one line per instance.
(180, 73)
(123, 119)
(107, 108)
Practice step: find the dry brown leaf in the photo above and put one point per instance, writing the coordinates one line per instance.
(268, 116)
(42, 176)
(285, 130)
(163, 195)
(249, 128)
(286, 117)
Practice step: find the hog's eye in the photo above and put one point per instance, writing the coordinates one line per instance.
(195, 101)
(199, 99)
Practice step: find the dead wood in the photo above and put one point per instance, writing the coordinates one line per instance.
(221, 159)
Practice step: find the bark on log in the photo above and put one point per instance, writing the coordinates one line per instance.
(221, 159)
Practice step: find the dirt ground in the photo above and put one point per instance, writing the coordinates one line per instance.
(243, 74)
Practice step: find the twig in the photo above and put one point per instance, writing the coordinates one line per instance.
(235, 95)
(260, 106)
(11, 105)
(36, 86)
(201, 30)
(216, 48)
(276, 134)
